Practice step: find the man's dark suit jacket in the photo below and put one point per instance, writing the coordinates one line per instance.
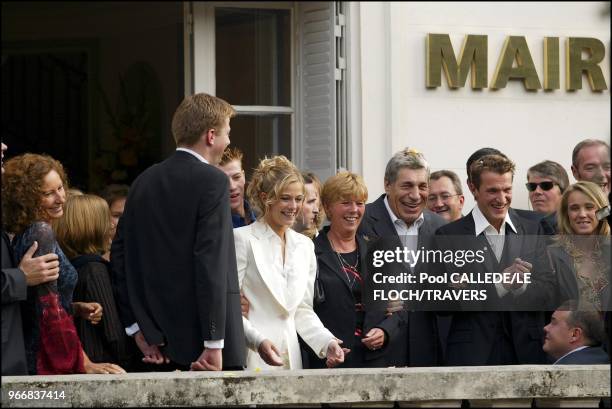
(474, 335)
(417, 342)
(14, 290)
(586, 356)
(174, 260)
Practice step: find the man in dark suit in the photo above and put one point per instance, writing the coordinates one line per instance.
(173, 257)
(15, 281)
(493, 336)
(398, 217)
(574, 336)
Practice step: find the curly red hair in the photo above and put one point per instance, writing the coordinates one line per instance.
(22, 182)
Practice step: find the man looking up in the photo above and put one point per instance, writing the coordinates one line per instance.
(574, 336)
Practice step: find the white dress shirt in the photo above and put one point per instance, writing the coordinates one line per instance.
(496, 241)
(134, 328)
(407, 234)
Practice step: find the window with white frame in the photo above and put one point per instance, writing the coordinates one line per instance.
(276, 64)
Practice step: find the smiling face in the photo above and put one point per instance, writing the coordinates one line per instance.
(235, 174)
(346, 215)
(407, 196)
(593, 165)
(282, 212)
(53, 197)
(581, 213)
(544, 201)
(494, 196)
(444, 200)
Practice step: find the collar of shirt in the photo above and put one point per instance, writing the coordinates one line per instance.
(482, 224)
(239, 221)
(397, 222)
(571, 352)
(194, 153)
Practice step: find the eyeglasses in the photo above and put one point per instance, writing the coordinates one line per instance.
(444, 197)
(531, 186)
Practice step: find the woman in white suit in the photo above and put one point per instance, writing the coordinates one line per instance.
(276, 270)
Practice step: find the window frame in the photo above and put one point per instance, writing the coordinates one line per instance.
(204, 61)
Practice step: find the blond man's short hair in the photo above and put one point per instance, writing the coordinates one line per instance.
(197, 114)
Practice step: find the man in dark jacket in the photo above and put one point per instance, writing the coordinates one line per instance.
(174, 258)
(574, 336)
(399, 218)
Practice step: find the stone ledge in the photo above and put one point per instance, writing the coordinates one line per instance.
(414, 385)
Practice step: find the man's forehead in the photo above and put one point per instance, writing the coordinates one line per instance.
(594, 153)
(442, 184)
(412, 175)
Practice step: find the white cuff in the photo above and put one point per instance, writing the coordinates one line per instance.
(323, 353)
(132, 329)
(216, 344)
(501, 291)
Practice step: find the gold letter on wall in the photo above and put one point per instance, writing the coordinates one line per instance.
(473, 56)
(576, 66)
(515, 48)
(551, 63)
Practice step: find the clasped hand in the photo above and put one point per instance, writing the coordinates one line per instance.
(90, 311)
(516, 270)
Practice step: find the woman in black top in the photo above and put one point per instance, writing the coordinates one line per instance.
(83, 233)
(341, 259)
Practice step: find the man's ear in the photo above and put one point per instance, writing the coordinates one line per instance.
(209, 137)
(461, 199)
(387, 186)
(471, 187)
(576, 334)
(575, 172)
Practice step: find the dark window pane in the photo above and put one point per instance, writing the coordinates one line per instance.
(253, 48)
(260, 136)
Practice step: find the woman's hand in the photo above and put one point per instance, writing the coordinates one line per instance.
(269, 353)
(100, 368)
(90, 311)
(335, 354)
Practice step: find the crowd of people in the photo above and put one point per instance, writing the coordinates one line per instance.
(193, 268)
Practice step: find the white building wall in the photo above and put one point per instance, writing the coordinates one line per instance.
(397, 110)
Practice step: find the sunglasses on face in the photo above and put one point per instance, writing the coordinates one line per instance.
(531, 186)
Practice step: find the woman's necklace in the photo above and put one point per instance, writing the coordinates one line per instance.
(350, 270)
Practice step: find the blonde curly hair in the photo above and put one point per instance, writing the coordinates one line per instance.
(271, 177)
(22, 183)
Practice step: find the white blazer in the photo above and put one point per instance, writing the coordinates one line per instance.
(278, 307)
